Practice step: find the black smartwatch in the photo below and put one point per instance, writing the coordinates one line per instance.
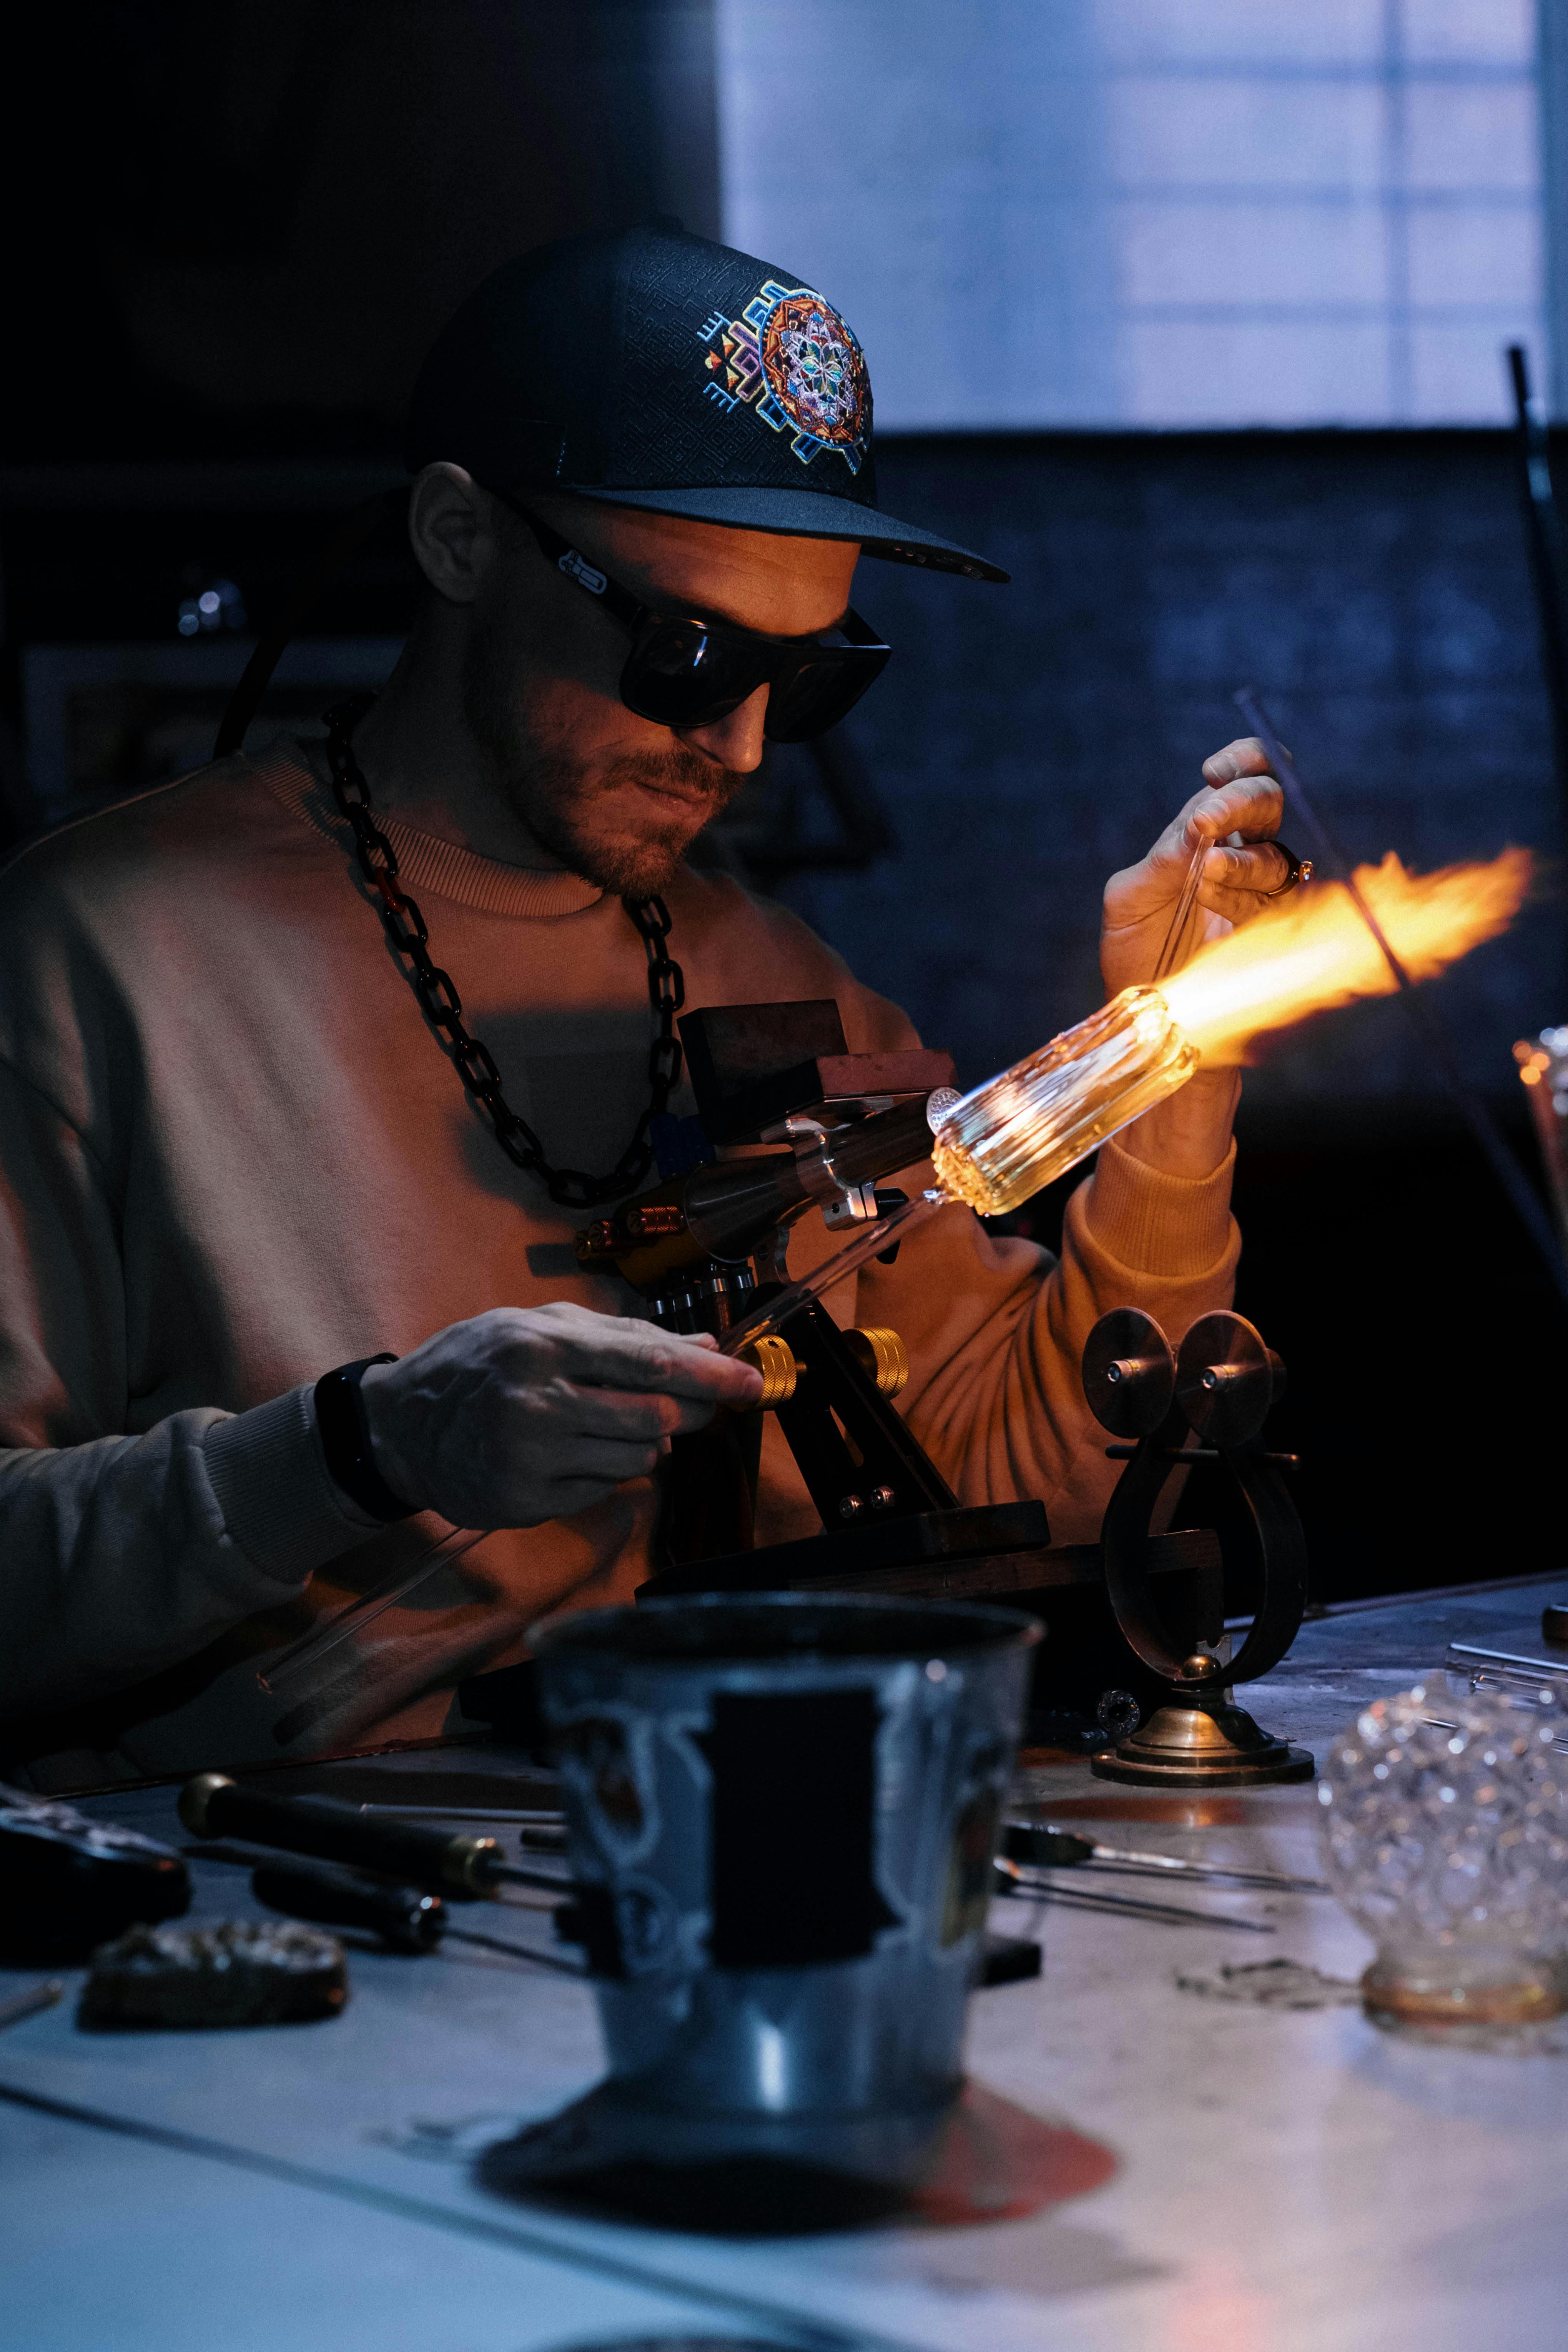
(345, 1442)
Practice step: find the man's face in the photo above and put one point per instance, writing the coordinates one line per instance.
(618, 798)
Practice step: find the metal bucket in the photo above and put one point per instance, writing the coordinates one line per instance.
(781, 1813)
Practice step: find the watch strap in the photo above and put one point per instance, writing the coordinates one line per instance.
(345, 1441)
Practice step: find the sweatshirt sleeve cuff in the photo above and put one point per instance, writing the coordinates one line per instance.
(278, 1504)
(1153, 1223)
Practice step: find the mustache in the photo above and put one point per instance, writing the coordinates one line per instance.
(685, 775)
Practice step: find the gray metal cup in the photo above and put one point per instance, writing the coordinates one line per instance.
(781, 1813)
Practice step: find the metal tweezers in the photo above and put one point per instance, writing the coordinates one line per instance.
(1010, 1880)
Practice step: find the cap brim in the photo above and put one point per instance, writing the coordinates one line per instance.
(800, 514)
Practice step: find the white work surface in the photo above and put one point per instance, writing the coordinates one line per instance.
(1287, 2181)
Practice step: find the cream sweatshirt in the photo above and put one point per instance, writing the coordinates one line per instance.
(233, 1155)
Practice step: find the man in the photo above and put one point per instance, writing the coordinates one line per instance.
(236, 1152)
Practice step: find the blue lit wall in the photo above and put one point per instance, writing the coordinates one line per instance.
(1029, 739)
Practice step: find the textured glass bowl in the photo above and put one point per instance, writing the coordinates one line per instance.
(1445, 1832)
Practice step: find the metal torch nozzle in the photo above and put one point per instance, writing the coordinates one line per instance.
(725, 1209)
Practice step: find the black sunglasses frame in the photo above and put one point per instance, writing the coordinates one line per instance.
(789, 668)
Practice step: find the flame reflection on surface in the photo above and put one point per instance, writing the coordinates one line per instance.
(1316, 951)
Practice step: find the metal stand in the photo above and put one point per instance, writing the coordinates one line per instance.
(891, 1525)
(1221, 1386)
(705, 1246)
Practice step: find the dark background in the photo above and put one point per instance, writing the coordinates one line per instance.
(236, 229)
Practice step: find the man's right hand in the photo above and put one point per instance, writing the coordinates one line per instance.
(531, 1413)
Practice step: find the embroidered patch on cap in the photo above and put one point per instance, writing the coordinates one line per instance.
(790, 358)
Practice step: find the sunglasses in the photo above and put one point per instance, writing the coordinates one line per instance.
(685, 672)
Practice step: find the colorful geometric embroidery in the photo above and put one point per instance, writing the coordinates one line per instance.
(790, 358)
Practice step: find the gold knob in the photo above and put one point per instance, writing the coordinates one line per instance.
(776, 1360)
(881, 1355)
(659, 1217)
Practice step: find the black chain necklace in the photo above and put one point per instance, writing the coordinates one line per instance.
(443, 1007)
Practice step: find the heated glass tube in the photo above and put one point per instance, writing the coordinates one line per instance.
(1011, 1136)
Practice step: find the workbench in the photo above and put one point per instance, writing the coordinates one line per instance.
(1286, 2181)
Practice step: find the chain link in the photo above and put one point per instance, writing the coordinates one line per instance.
(443, 1007)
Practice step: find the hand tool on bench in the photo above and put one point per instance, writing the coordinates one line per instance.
(1047, 1847)
(464, 1867)
(406, 1918)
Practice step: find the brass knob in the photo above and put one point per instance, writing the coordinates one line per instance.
(883, 1356)
(776, 1360)
(659, 1217)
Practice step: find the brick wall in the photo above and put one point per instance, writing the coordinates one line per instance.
(1029, 740)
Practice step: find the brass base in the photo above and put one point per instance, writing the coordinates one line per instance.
(1213, 1747)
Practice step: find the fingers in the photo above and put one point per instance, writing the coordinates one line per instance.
(643, 1415)
(1228, 818)
(1250, 806)
(523, 1414)
(1239, 882)
(612, 1351)
(640, 1413)
(1245, 757)
(1253, 806)
(1230, 871)
(1243, 797)
(604, 1461)
(583, 1471)
(643, 1357)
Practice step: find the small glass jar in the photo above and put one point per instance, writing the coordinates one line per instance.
(1444, 1833)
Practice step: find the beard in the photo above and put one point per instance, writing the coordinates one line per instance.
(600, 818)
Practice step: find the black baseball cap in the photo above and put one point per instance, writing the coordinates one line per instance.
(658, 370)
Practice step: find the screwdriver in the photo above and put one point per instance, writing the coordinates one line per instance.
(406, 1918)
(464, 1868)
(1049, 1848)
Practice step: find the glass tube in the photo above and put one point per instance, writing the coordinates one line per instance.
(1014, 1135)
(302, 1656)
(869, 1242)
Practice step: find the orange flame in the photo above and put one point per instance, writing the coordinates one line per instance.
(1317, 951)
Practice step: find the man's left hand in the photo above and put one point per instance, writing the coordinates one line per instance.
(1238, 811)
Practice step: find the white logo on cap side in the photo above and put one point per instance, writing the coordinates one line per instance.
(595, 582)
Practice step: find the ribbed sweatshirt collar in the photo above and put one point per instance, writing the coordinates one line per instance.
(425, 864)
